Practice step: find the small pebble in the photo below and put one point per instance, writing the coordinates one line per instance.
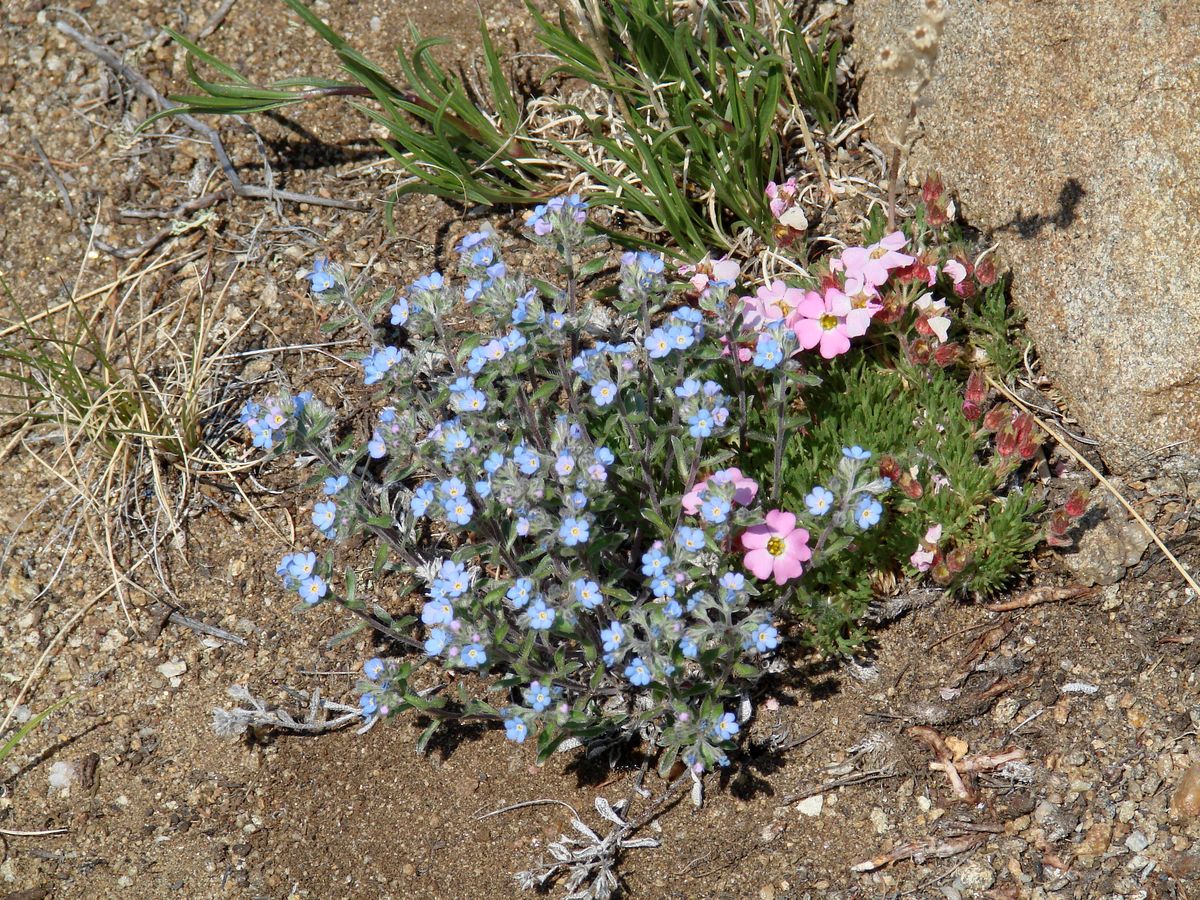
(1185, 802)
(811, 806)
(1136, 842)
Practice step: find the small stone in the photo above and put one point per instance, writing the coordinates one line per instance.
(976, 875)
(1136, 842)
(879, 820)
(1006, 710)
(1096, 841)
(172, 669)
(811, 806)
(1185, 802)
(766, 892)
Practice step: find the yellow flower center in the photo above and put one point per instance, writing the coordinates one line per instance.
(879, 253)
(829, 321)
(776, 546)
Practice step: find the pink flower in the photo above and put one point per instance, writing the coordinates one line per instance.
(709, 273)
(922, 558)
(744, 489)
(873, 264)
(782, 195)
(828, 321)
(956, 270)
(931, 320)
(771, 303)
(777, 548)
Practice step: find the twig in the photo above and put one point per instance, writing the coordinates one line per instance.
(919, 851)
(54, 176)
(848, 781)
(178, 618)
(146, 89)
(47, 833)
(215, 20)
(515, 806)
(172, 229)
(1038, 596)
(1079, 458)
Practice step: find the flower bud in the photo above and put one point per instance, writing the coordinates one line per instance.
(947, 355)
(957, 560)
(919, 350)
(985, 272)
(996, 417)
(889, 468)
(940, 573)
(1077, 503)
(910, 486)
(931, 190)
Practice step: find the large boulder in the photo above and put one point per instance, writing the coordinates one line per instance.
(1071, 133)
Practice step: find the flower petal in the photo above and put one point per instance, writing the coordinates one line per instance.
(760, 563)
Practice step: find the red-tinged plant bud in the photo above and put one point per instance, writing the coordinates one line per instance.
(919, 351)
(947, 355)
(957, 560)
(970, 411)
(785, 236)
(889, 468)
(996, 417)
(892, 309)
(830, 281)
(965, 289)
(1056, 529)
(1024, 424)
(1006, 440)
(985, 272)
(976, 391)
(1077, 503)
(940, 573)
(932, 189)
(1028, 446)
(910, 486)
(937, 214)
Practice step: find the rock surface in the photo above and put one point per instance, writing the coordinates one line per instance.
(1068, 131)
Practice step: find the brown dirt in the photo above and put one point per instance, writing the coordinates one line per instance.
(173, 811)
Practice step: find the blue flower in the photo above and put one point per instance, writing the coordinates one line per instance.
(475, 289)
(452, 489)
(541, 616)
(324, 516)
(662, 586)
(333, 484)
(766, 637)
(455, 576)
(470, 401)
(437, 612)
(672, 609)
(587, 593)
(574, 531)
(819, 500)
(400, 312)
(474, 656)
(654, 562)
(681, 337)
(421, 499)
(320, 278)
(689, 538)
(431, 282)
(689, 388)
(484, 256)
(513, 340)
(379, 362)
(659, 343)
(856, 452)
(604, 392)
(300, 565)
(612, 637)
(459, 511)
(312, 589)
(538, 697)
(475, 238)
(604, 456)
(867, 512)
(688, 648)
(483, 488)
(520, 592)
(638, 672)
(515, 730)
(527, 460)
(565, 464)
(726, 727)
(701, 423)
(715, 510)
(767, 352)
(376, 447)
(436, 642)
(733, 582)
(369, 705)
(492, 464)
(373, 668)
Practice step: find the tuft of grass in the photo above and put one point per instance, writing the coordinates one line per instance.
(131, 403)
(707, 111)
